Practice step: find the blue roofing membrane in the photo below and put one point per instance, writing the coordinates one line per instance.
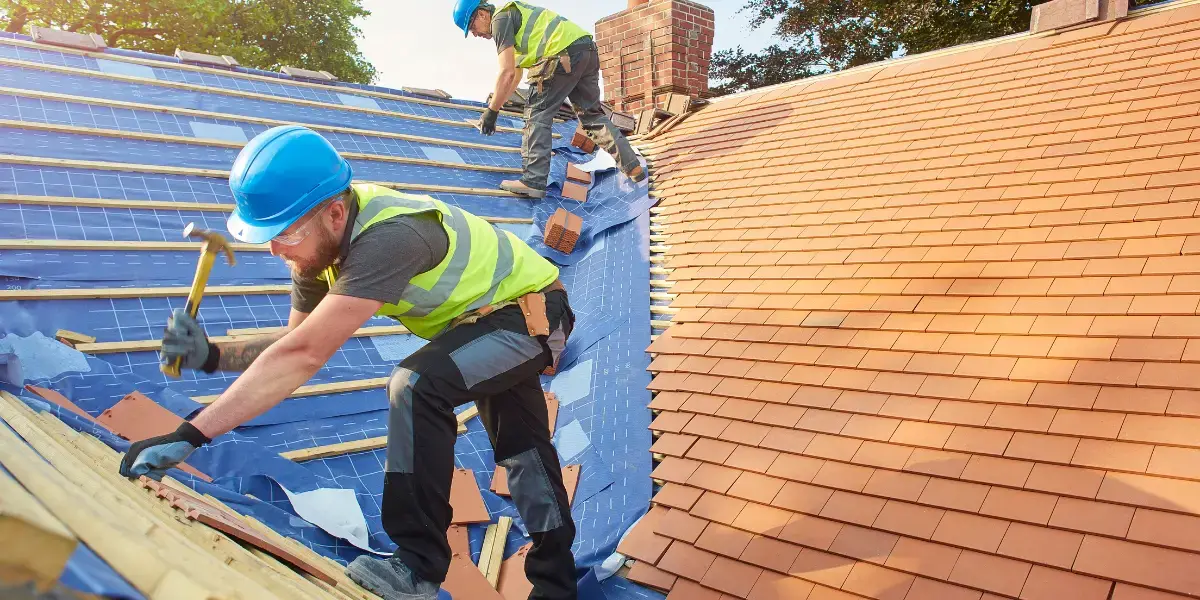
(602, 421)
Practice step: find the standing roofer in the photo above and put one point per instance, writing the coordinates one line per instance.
(356, 251)
(562, 62)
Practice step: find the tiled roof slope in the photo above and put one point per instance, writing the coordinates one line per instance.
(938, 333)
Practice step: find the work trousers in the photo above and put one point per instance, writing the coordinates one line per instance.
(582, 87)
(495, 363)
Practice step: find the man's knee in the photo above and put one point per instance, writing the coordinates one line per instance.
(533, 491)
(400, 420)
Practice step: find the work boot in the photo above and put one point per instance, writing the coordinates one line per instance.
(637, 174)
(390, 579)
(515, 186)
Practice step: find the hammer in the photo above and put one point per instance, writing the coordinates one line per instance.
(214, 243)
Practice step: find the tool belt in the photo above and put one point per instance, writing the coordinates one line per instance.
(545, 69)
(533, 306)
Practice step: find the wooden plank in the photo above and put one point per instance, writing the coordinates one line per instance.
(38, 161)
(319, 389)
(150, 292)
(45, 543)
(319, 452)
(147, 345)
(191, 87)
(494, 553)
(167, 205)
(358, 445)
(188, 112)
(73, 336)
(118, 246)
(181, 535)
(196, 141)
(133, 556)
(364, 331)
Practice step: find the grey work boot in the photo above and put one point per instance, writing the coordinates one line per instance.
(390, 579)
(516, 187)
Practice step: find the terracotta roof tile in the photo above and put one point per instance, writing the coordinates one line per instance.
(957, 495)
(1050, 584)
(821, 567)
(916, 556)
(992, 573)
(718, 508)
(971, 531)
(938, 590)
(1019, 505)
(678, 496)
(773, 586)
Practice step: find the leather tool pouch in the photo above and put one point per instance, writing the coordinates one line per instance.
(544, 70)
(533, 306)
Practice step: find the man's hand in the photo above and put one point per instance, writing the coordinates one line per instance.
(487, 123)
(153, 457)
(185, 339)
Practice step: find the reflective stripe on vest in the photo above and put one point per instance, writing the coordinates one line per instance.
(543, 28)
(484, 264)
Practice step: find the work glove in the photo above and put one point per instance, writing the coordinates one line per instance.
(153, 457)
(184, 338)
(487, 123)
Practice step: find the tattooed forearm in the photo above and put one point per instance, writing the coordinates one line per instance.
(237, 356)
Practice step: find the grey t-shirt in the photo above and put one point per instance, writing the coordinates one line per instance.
(505, 24)
(380, 262)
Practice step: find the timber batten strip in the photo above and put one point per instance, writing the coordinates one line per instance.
(183, 139)
(38, 161)
(191, 112)
(234, 93)
(151, 292)
(147, 345)
(249, 76)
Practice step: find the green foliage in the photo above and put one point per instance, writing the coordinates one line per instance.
(830, 35)
(266, 34)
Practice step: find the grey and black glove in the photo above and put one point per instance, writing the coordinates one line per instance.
(487, 123)
(155, 456)
(184, 338)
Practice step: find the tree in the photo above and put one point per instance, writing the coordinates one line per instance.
(830, 35)
(265, 34)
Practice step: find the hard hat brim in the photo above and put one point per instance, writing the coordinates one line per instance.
(253, 234)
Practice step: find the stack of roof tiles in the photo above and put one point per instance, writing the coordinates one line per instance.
(939, 333)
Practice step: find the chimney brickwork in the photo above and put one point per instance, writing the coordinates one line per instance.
(655, 48)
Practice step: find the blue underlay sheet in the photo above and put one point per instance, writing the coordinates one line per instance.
(602, 420)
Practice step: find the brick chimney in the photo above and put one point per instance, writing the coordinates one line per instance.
(654, 48)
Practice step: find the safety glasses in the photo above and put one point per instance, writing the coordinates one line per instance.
(301, 233)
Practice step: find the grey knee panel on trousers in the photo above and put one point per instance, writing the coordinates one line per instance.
(400, 420)
(529, 484)
(490, 355)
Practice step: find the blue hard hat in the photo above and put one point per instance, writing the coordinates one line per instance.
(278, 177)
(463, 11)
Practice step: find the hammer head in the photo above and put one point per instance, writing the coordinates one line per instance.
(213, 241)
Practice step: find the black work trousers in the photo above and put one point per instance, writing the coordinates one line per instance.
(495, 363)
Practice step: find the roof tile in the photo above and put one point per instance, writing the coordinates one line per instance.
(1019, 505)
(773, 586)
(877, 582)
(821, 567)
(810, 531)
(1041, 545)
(992, 573)
(971, 531)
(1051, 584)
(916, 556)
(956, 495)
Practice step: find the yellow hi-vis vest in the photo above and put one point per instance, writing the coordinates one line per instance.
(484, 264)
(542, 33)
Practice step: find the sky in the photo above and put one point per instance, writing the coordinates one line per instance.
(415, 42)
